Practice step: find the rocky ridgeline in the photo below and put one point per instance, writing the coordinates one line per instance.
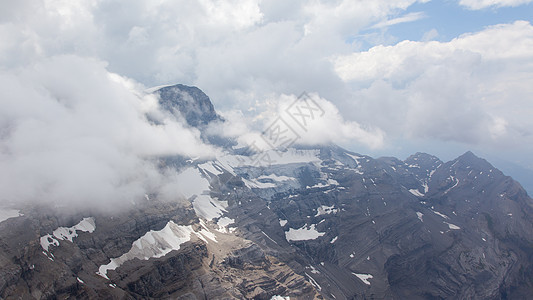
(323, 222)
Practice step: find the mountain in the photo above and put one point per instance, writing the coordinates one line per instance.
(314, 223)
(188, 101)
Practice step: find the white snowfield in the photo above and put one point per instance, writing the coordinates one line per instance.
(364, 277)
(7, 213)
(155, 244)
(303, 234)
(64, 233)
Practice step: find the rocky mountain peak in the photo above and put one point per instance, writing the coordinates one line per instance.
(421, 158)
(189, 101)
(470, 161)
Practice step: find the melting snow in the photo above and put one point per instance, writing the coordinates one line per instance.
(364, 277)
(64, 233)
(326, 210)
(451, 226)
(355, 158)
(302, 234)
(253, 183)
(9, 213)
(456, 183)
(209, 208)
(269, 237)
(416, 192)
(211, 168)
(313, 282)
(223, 223)
(441, 214)
(420, 215)
(290, 156)
(276, 177)
(313, 270)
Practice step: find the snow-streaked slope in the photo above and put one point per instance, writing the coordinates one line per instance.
(154, 244)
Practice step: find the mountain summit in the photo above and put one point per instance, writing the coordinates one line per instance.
(316, 223)
(189, 101)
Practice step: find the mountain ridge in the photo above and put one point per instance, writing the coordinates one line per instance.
(322, 223)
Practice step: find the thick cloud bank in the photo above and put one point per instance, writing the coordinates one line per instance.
(73, 133)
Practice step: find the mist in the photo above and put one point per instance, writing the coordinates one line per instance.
(74, 134)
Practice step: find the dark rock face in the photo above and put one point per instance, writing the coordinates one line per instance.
(325, 224)
(189, 101)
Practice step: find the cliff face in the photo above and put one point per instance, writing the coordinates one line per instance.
(319, 222)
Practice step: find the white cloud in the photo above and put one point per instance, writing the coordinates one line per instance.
(71, 132)
(480, 4)
(410, 17)
(325, 125)
(475, 89)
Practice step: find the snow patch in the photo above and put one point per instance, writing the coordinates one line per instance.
(303, 233)
(211, 168)
(256, 184)
(452, 226)
(67, 233)
(416, 192)
(276, 177)
(313, 282)
(456, 183)
(334, 240)
(6, 213)
(364, 277)
(326, 210)
(441, 214)
(223, 224)
(282, 222)
(420, 216)
(209, 208)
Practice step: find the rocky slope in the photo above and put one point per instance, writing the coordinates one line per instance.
(318, 223)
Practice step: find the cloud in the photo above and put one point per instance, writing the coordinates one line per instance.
(73, 133)
(317, 121)
(475, 89)
(62, 63)
(481, 4)
(410, 17)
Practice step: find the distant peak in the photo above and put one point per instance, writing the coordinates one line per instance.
(471, 160)
(421, 156)
(469, 156)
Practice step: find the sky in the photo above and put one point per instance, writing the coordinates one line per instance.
(395, 77)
